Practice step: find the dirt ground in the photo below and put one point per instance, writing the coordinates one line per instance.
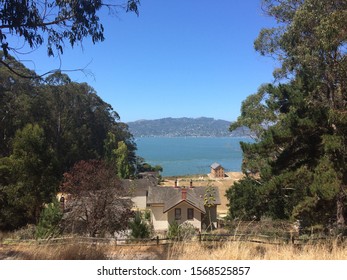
(204, 180)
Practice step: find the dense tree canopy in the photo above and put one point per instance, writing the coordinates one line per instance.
(45, 128)
(53, 23)
(298, 166)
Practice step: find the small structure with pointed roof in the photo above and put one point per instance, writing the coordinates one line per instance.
(217, 171)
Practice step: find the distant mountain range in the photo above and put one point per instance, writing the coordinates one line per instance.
(182, 127)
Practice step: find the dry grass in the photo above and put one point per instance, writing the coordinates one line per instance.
(53, 252)
(253, 251)
(81, 251)
(177, 251)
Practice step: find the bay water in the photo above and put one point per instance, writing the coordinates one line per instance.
(191, 155)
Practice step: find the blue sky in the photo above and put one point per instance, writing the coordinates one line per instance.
(179, 58)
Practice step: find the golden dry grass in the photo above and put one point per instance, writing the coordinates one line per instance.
(253, 251)
(53, 252)
(178, 251)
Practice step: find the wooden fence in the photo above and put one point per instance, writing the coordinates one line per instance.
(157, 241)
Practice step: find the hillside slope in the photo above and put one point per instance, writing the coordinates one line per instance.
(182, 127)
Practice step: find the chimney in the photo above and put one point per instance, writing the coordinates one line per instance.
(184, 193)
(176, 183)
(191, 183)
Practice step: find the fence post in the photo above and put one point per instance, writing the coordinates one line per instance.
(157, 240)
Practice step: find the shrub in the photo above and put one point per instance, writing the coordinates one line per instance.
(147, 215)
(50, 218)
(186, 230)
(139, 227)
(173, 231)
(183, 231)
(27, 232)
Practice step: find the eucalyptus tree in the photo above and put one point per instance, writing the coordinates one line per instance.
(52, 23)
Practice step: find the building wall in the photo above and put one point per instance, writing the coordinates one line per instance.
(219, 172)
(159, 219)
(139, 202)
(196, 221)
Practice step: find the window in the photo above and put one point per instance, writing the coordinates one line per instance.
(190, 213)
(177, 213)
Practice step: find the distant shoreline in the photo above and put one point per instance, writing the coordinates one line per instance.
(191, 136)
(192, 176)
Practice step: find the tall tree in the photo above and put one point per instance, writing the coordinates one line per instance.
(30, 178)
(122, 161)
(300, 161)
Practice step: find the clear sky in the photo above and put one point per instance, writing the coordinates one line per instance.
(179, 58)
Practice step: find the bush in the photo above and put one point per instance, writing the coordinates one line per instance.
(27, 232)
(147, 215)
(186, 230)
(173, 231)
(50, 218)
(183, 231)
(139, 227)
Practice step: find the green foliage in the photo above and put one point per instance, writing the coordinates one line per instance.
(45, 128)
(119, 154)
(326, 182)
(147, 215)
(173, 230)
(299, 160)
(50, 218)
(209, 196)
(143, 166)
(122, 161)
(139, 227)
(29, 178)
(209, 202)
(53, 24)
(245, 200)
(186, 230)
(182, 231)
(257, 113)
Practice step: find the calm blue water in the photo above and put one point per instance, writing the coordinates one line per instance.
(191, 155)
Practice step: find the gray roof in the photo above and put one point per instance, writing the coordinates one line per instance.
(195, 202)
(170, 197)
(215, 165)
(139, 187)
